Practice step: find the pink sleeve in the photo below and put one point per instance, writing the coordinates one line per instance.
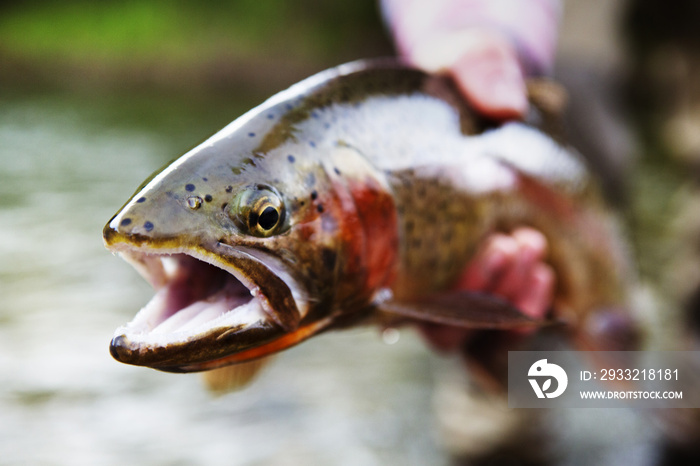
(529, 25)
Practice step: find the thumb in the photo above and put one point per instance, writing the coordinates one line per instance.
(490, 78)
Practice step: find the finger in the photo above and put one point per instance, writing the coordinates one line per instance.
(531, 238)
(536, 296)
(489, 263)
(491, 79)
(531, 248)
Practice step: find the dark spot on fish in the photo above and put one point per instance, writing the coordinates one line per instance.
(270, 116)
(326, 125)
(314, 115)
(329, 257)
(421, 191)
(251, 135)
(314, 195)
(208, 198)
(447, 236)
(302, 203)
(141, 199)
(189, 187)
(229, 189)
(236, 170)
(148, 226)
(276, 181)
(335, 169)
(291, 158)
(319, 208)
(205, 179)
(312, 144)
(417, 242)
(312, 275)
(249, 161)
(409, 226)
(125, 222)
(288, 106)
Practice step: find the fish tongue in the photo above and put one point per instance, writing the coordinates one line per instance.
(181, 318)
(202, 311)
(213, 311)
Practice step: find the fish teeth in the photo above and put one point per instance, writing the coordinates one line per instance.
(170, 266)
(148, 266)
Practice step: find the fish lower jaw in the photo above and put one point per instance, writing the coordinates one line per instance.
(199, 312)
(216, 314)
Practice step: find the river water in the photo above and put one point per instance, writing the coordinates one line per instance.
(66, 165)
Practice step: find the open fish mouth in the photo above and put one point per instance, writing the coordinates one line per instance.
(205, 309)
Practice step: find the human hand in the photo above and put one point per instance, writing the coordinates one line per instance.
(486, 70)
(508, 265)
(487, 46)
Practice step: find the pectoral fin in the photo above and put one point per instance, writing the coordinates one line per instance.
(466, 309)
(231, 378)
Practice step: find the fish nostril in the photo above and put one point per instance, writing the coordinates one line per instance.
(194, 202)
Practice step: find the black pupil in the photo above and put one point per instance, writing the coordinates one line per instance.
(268, 219)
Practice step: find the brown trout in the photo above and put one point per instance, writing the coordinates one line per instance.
(362, 191)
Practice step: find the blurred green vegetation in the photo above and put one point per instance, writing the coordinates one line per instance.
(135, 40)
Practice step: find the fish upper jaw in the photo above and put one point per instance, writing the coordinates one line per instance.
(210, 303)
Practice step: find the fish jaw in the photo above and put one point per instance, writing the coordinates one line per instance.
(210, 303)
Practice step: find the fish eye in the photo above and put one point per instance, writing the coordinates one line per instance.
(258, 211)
(268, 218)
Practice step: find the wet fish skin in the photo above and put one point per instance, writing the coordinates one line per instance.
(384, 183)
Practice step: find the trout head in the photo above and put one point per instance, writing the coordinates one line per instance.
(253, 241)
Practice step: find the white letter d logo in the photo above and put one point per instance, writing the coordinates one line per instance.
(542, 369)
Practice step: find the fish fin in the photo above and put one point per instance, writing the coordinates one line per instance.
(233, 378)
(548, 96)
(466, 309)
(548, 101)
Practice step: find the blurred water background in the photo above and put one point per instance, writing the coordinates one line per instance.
(94, 96)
